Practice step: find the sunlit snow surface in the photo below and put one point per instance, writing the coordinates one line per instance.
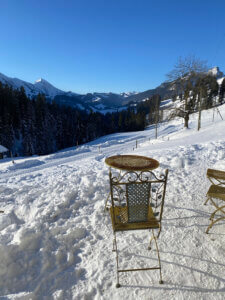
(56, 241)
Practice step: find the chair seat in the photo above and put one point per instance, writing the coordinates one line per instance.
(216, 174)
(216, 191)
(121, 220)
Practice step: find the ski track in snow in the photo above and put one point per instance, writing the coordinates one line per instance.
(56, 240)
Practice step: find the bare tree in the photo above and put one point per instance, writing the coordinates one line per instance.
(185, 67)
(184, 75)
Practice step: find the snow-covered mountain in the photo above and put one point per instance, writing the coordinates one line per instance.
(166, 89)
(215, 71)
(100, 102)
(128, 94)
(41, 86)
(47, 88)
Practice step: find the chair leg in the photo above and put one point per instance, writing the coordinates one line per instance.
(157, 249)
(114, 244)
(150, 243)
(105, 207)
(159, 231)
(217, 209)
(117, 262)
(213, 215)
(206, 201)
(213, 222)
(151, 239)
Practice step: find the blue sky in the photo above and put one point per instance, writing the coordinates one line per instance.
(107, 46)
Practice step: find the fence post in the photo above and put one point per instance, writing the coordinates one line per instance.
(12, 157)
(219, 113)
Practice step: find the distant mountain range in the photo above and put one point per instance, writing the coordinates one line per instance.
(101, 102)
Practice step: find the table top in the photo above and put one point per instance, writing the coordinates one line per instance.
(132, 162)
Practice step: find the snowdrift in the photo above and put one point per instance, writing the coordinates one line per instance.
(56, 241)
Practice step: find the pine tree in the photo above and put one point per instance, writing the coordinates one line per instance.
(222, 92)
(120, 122)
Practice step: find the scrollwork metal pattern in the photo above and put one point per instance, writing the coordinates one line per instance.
(132, 177)
(121, 181)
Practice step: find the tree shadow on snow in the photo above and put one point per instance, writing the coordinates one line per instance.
(192, 220)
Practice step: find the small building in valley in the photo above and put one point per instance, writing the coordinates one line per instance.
(3, 151)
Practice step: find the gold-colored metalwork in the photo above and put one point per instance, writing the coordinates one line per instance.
(216, 195)
(216, 177)
(132, 162)
(137, 201)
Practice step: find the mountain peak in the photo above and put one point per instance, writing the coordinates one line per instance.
(215, 71)
(41, 80)
(47, 88)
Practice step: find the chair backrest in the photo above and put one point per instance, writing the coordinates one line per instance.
(138, 196)
(136, 193)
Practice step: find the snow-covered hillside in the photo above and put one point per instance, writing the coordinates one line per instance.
(98, 102)
(40, 86)
(46, 88)
(56, 240)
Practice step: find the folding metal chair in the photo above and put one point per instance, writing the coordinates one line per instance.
(216, 177)
(216, 195)
(137, 204)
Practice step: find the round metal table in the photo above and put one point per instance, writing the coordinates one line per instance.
(132, 162)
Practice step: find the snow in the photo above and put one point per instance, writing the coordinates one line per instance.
(17, 83)
(56, 240)
(48, 89)
(220, 80)
(79, 106)
(215, 71)
(166, 103)
(96, 99)
(40, 86)
(128, 94)
(101, 108)
(3, 149)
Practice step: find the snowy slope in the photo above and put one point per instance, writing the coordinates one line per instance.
(46, 88)
(3, 149)
(215, 71)
(40, 86)
(56, 241)
(99, 102)
(109, 102)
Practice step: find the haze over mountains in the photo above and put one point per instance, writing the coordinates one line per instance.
(101, 102)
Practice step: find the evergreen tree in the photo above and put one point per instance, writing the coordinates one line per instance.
(222, 92)
(30, 127)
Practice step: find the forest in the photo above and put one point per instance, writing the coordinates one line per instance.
(35, 126)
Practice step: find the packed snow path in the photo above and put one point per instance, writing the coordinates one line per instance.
(56, 240)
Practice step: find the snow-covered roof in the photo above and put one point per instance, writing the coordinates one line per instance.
(3, 149)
